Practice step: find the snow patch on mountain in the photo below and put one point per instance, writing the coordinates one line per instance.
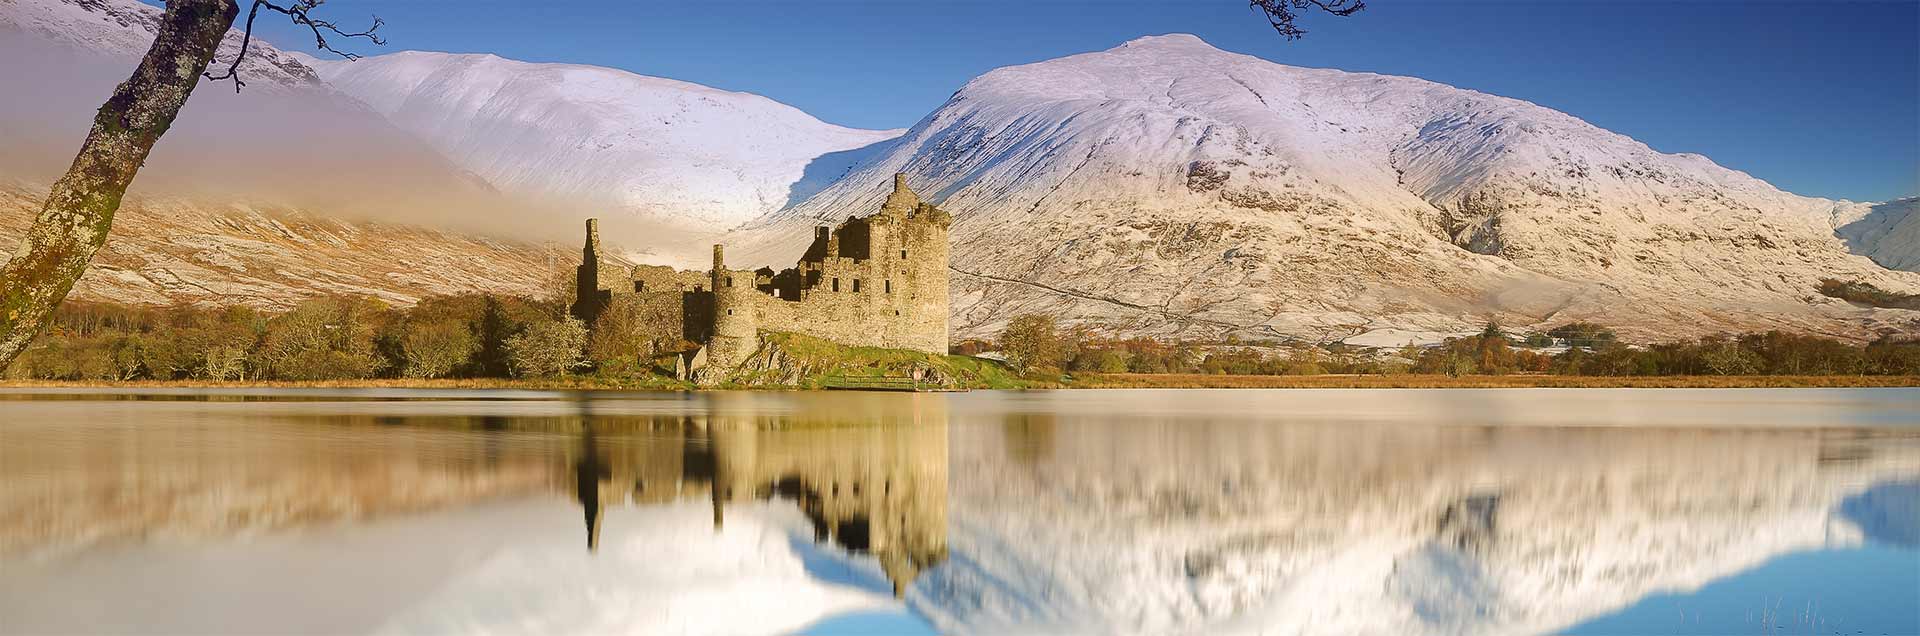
(663, 149)
(125, 28)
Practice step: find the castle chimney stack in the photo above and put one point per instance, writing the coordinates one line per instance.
(902, 200)
(591, 251)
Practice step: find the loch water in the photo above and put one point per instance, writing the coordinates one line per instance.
(1396, 511)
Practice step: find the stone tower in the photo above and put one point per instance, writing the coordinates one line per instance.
(736, 332)
(923, 236)
(590, 296)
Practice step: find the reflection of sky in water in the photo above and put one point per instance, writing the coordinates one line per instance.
(1400, 512)
(1865, 590)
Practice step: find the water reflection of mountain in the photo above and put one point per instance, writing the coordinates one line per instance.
(877, 490)
(78, 474)
(1083, 512)
(1888, 512)
(1143, 525)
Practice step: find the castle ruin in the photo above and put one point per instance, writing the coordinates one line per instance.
(878, 280)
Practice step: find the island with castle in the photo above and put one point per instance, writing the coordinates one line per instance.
(873, 281)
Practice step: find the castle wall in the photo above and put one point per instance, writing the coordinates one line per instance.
(877, 281)
(677, 306)
(896, 297)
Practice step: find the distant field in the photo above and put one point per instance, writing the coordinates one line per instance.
(1110, 381)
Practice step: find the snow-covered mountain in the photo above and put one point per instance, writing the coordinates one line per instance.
(666, 150)
(126, 27)
(1165, 186)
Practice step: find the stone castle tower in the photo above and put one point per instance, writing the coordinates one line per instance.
(878, 280)
(590, 296)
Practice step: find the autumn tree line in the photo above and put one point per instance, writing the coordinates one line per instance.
(500, 336)
(1036, 344)
(323, 338)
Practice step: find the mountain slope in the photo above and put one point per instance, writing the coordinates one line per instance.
(687, 154)
(169, 249)
(1165, 186)
(264, 197)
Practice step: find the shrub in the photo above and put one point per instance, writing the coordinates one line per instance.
(1867, 294)
(1032, 342)
(548, 348)
(322, 338)
(1585, 335)
(434, 349)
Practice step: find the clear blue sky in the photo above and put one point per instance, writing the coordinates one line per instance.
(1821, 98)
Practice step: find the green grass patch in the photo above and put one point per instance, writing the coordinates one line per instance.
(816, 363)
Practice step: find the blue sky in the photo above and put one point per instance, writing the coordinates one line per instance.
(1820, 98)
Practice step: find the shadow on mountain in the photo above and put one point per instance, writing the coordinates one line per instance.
(825, 169)
(1889, 234)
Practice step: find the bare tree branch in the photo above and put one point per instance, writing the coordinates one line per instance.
(1282, 13)
(298, 12)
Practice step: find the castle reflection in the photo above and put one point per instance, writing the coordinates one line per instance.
(872, 489)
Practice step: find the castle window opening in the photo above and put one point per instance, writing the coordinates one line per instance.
(729, 281)
(836, 284)
(887, 285)
(639, 285)
(903, 254)
(856, 285)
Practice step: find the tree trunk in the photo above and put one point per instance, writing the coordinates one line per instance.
(79, 211)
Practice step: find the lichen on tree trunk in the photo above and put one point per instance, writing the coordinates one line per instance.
(79, 212)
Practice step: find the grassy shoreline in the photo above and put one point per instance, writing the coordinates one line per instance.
(1111, 381)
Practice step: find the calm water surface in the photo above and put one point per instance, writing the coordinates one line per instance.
(1522, 511)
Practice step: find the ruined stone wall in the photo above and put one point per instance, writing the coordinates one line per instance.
(876, 281)
(677, 303)
(879, 280)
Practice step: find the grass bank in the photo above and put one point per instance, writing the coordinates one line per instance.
(790, 360)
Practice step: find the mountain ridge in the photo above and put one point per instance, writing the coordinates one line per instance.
(1190, 188)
